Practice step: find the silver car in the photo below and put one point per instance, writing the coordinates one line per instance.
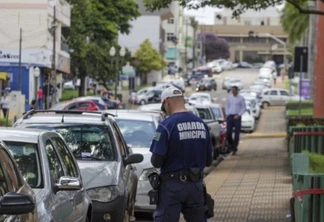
(50, 169)
(235, 82)
(138, 130)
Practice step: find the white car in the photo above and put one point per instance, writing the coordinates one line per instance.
(277, 97)
(143, 95)
(265, 72)
(200, 99)
(215, 66)
(247, 122)
(254, 107)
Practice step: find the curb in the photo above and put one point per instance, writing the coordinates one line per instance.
(266, 135)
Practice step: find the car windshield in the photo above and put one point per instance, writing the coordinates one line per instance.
(137, 133)
(27, 158)
(93, 142)
(217, 112)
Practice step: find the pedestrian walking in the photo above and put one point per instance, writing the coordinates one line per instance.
(274, 76)
(133, 97)
(235, 108)
(182, 149)
(5, 101)
(283, 74)
(40, 95)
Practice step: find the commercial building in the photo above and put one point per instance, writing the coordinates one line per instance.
(255, 36)
(34, 20)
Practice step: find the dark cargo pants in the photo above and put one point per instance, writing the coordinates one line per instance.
(176, 197)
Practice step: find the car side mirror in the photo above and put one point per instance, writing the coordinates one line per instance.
(15, 203)
(68, 183)
(133, 158)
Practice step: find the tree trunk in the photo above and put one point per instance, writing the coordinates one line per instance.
(82, 86)
(194, 49)
(143, 78)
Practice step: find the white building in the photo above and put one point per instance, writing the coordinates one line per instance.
(34, 18)
(147, 26)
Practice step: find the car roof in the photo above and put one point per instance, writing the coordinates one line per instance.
(20, 134)
(215, 105)
(135, 116)
(59, 117)
(200, 94)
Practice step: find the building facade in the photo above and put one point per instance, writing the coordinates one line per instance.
(34, 20)
(147, 26)
(256, 36)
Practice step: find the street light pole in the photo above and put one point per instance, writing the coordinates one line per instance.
(53, 75)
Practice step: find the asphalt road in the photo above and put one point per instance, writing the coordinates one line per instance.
(220, 96)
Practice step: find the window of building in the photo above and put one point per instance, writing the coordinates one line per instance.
(246, 22)
(171, 20)
(169, 37)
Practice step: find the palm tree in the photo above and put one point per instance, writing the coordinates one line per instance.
(194, 24)
(293, 22)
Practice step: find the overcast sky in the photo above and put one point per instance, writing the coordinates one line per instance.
(206, 15)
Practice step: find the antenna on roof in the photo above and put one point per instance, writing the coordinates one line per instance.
(62, 120)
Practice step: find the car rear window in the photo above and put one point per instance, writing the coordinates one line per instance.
(91, 142)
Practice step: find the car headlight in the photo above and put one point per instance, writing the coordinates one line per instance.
(103, 194)
(146, 172)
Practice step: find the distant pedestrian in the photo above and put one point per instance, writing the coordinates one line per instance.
(133, 98)
(283, 73)
(5, 101)
(40, 95)
(274, 76)
(33, 105)
(235, 108)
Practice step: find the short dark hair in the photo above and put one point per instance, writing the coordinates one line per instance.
(235, 87)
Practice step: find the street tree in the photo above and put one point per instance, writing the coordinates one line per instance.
(294, 23)
(148, 60)
(238, 6)
(94, 25)
(214, 47)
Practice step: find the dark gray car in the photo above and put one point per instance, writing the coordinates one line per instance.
(17, 200)
(103, 157)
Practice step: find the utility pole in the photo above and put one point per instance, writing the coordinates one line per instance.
(19, 66)
(53, 71)
(186, 43)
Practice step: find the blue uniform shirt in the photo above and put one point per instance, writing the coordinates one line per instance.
(183, 140)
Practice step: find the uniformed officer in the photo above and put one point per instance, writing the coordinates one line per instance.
(181, 148)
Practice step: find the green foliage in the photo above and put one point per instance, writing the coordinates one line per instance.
(293, 22)
(3, 122)
(94, 29)
(149, 59)
(237, 6)
(304, 112)
(316, 162)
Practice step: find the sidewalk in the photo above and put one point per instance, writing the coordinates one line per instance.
(255, 185)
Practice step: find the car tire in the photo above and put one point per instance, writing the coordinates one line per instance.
(265, 105)
(142, 102)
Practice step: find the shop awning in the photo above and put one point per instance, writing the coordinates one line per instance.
(3, 75)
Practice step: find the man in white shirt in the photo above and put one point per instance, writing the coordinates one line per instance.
(5, 105)
(235, 108)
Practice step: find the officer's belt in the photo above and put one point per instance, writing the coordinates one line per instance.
(183, 175)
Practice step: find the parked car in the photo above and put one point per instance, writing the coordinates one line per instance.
(164, 85)
(207, 115)
(258, 89)
(235, 82)
(225, 84)
(266, 72)
(215, 67)
(82, 105)
(256, 103)
(205, 70)
(206, 84)
(138, 129)
(17, 199)
(200, 98)
(102, 154)
(192, 80)
(96, 99)
(157, 108)
(247, 122)
(276, 97)
(244, 65)
(266, 84)
(151, 95)
(50, 169)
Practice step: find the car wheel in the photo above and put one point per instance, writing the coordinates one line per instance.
(265, 105)
(142, 102)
